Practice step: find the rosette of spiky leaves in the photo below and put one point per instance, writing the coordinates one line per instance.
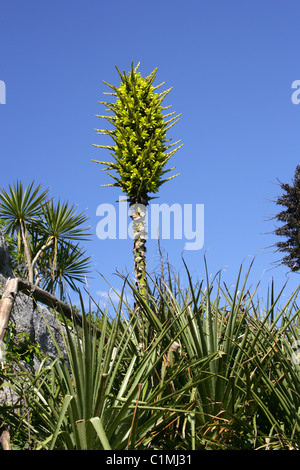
(72, 265)
(141, 150)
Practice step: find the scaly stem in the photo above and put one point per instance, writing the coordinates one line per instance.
(138, 216)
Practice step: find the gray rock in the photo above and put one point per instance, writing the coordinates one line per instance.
(35, 321)
(27, 316)
(5, 262)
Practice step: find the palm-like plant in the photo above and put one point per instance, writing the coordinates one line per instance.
(62, 225)
(71, 266)
(45, 235)
(140, 151)
(22, 208)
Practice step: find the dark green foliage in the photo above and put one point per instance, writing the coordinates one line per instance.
(290, 218)
(18, 347)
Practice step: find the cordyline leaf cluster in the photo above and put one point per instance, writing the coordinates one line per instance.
(44, 237)
(290, 217)
(141, 150)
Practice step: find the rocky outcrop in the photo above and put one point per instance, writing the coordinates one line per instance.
(27, 316)
(5, 263)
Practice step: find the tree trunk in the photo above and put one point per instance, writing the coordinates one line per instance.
(27, 252)
(6, 304)
(5, 439)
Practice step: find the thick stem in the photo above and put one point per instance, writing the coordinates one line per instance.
(5, 439)
(138, 215)
(6, 304)
(35, 259)
(27, 253)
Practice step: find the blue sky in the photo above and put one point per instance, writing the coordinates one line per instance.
(231, 65)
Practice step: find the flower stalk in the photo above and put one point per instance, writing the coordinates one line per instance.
(140, 152)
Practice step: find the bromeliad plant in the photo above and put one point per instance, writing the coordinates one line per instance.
(232, 384)
(140, 151)
(106, 395)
